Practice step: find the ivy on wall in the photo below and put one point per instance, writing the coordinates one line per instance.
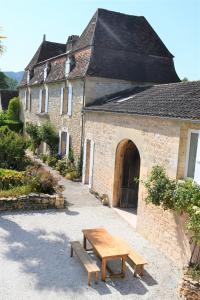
(179, 196)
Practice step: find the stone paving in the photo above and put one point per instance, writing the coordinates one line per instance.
(36, 265)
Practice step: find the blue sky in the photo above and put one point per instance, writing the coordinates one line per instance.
(24, 22)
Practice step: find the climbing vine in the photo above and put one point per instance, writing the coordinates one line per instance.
(179, 196)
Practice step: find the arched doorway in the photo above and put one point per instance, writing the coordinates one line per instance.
(127, 169)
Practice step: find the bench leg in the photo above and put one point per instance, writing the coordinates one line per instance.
(123, 266)
(89, 278)
(71, 251)
(139, 270)
(84, 242)
(103, 269)
(96, 277)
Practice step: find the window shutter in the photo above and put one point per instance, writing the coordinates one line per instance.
(70, 99)
(25, 97)
(59, 146)
(197, 164)
(61, 100)
(40, 101)
(84, 160)
(68, 144)
(91, 163)
(47, 100)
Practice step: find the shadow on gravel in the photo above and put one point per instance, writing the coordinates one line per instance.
(46, 256)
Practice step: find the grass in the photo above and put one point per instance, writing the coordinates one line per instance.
(16, 191)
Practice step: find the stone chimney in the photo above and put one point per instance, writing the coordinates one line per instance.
(71, 41)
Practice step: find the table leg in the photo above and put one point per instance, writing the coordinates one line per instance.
(103, 269)
(123, 266)
(84, 242)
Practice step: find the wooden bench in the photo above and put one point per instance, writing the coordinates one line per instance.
(134, 259)
(86, 260)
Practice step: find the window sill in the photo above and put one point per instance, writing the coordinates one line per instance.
(42, 114)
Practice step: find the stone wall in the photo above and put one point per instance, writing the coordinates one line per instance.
(96, 87)
(189, 289)
(31, 202)
(71, 124)
(158, 142)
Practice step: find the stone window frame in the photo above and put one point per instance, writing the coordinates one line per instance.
(190, 131)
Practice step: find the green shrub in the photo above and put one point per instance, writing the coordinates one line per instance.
(50, 137)
(12, 149)
(14, 109)
(16, 126)
(43, 157)
(178, 196)
(35, 134)
(16, 191)
(40, 180)
(160, 188)
(10, 178)
(72, 175)
(62, 166)
(52, 161)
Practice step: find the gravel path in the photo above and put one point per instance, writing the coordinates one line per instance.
(35, 262)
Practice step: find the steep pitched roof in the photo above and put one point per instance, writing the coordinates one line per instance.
(176, 100)
(126, 47)
(121, 47)
(45, 51)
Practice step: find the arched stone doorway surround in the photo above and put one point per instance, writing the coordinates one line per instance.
(127, 168)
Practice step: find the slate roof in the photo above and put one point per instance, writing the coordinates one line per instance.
(123, 47)
(175, 100)
(45, 51)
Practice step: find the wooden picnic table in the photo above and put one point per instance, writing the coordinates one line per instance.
(106, 247)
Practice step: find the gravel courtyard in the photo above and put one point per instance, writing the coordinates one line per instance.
(35, 262)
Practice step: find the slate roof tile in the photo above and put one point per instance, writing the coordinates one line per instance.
(176, 100)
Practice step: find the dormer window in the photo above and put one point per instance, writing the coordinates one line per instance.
(46, 70)
(28, 76)
(69, 65)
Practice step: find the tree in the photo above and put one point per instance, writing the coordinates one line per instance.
(50, 137)
(11, 83)
(14, 109)
(185, 79)
(3, 82)
(33, 131)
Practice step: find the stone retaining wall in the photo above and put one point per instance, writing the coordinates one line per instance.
(189, 289)
(32, 201)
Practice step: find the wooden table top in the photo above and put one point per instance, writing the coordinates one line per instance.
(104, 243)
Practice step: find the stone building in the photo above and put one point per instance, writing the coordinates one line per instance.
(114, 52)
(130, 132)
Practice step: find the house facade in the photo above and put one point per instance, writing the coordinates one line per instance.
(114, 52)
(134, 130)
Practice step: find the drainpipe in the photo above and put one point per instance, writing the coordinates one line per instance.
(82, 119)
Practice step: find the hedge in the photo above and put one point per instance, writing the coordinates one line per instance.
(16, 126)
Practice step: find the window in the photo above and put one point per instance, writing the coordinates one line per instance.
(26, 99)
(30, 101)
(64, 100)
(193, 156)
(43, 100)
